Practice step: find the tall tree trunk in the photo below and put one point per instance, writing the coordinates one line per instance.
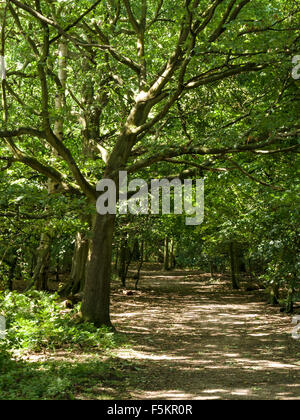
(166, 254)
(60, 98)
(146, 252)
(274, 294)
(172, 255)
(122, 262)
(77, 276)
(11, 274)
(136, 251)
(96, 300)
(211, 266)
(40, 274)
(140, 265)
(116, 259)
(234, 265)
(129, 255)
(290, 300)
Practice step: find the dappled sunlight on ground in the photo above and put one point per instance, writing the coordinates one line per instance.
(194, 338)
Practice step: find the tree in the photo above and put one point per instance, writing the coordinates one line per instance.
(136, 68)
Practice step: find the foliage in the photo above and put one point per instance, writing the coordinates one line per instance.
(161, 89)
(38, 320)
(54, 380)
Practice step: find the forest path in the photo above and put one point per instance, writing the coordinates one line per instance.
(194, 338)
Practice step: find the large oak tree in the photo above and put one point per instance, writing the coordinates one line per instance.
(92, 89)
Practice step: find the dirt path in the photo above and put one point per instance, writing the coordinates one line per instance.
(197, 339)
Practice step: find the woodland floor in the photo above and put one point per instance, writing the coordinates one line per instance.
(195, 338)
(190, 337)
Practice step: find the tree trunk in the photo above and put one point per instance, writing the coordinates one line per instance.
(11, 273)
(122, 263)
(274, 294)
(211, 267)
(129, 255)
(234, 265)
(40, 274)
(140, 265)
(60, 98)
(43, 259)
(136, 251)
(146, 252)
(172, 256)
(96, 300)
(290, 301)
(116, 259)
(166, 254)
(77, 276)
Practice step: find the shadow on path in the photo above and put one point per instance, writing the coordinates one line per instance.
(197, 339)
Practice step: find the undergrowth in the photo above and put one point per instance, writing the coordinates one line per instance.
(39, 323)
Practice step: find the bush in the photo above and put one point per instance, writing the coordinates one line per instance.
(40, 321)
(37, 320)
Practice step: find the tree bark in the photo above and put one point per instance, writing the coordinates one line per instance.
(96, 300)
(77, 276)
(12, 269)
(166, 254)
(234, 265)
(211, 267)
(172, 255)
(43, 259)
(122, 262)
(274, 294)
(40, 275)
(290, 300)
(116, 264)
(140, 265)
(146, 252)
(136, 251)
